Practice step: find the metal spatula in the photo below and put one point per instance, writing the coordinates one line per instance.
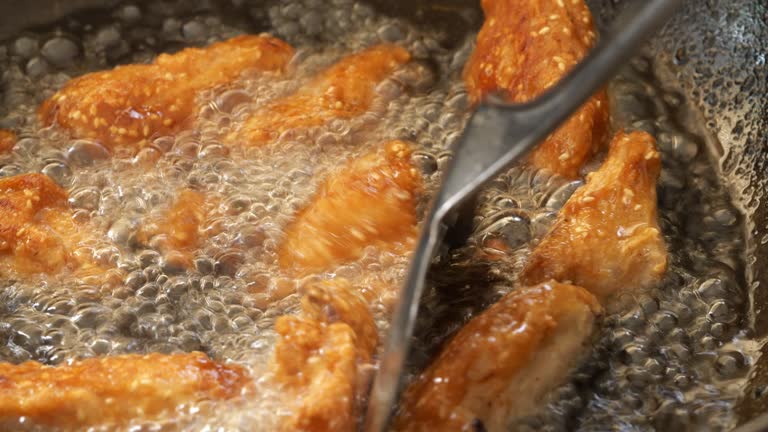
(497, 136)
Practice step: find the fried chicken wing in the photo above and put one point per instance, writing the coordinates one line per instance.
(7, 140)
(177, 231)
(607, 235)
(343, 91)
(337, 300)
(37, 232)
(502, 364)
(326, 355)
(524, 48)
(129, 104)
(372, 202)
(320, 355)
(112, 390)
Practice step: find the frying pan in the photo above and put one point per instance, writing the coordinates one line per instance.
(712, 52)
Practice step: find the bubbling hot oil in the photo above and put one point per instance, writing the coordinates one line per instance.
(675, 358)
(227, 303)
(678, 356)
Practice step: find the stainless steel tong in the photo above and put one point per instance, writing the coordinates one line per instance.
(498, 135)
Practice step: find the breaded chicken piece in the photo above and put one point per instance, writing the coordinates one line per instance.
(177, 231)
(112, 390)
(524, 48)
(130, 104)
(607, 235)
(338, 300)
(343, 91)
(7, 140)
(37, 232)
(371, 202)
(502, 364)
(320, 368)
(320, 357)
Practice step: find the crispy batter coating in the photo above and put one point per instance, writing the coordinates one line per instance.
(607, 235)
(112, 390)
(343, 91)
(37, 232)
(337, 300)
(372, 202)
(177, 231)
(502, 364)
(525, 47)
(7, 140)
(321, 360)
(320, 357)
(130, 104)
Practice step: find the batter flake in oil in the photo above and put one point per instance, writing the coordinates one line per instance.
(219, 242)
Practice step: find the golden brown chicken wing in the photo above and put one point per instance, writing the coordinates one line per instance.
(343, 91)
(112, 390)
(502, 364)
(320, 357)
(7, 140)
(37, 232)
(371, 202)
(177, 231)
(607, 235)
(338, 300)
(525, 47)
(129, 104)
(320, 366)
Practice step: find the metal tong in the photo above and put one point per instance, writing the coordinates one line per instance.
(498, 135)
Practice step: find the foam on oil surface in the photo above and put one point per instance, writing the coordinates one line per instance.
(675, 358)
